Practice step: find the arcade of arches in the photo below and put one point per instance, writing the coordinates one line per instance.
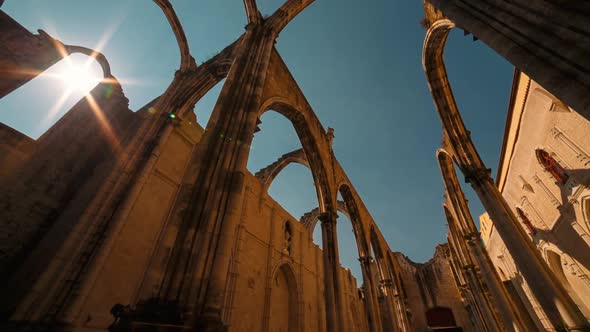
(146, 221)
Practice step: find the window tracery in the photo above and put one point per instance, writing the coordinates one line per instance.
(552, 166)
(526, 221)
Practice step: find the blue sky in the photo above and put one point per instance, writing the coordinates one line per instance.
(357, 62)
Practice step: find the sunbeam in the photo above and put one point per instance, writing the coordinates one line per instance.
(104, 123)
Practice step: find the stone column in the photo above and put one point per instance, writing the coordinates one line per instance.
(389, 290)
(398, 296)
(553, 298)
(511, 316)
(332, 284)
(458, 273)
(489, 321)
(196, 275)
(372, 300)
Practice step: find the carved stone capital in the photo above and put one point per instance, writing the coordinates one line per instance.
(388, 283)
(478, 175)
(469, 268)
(365, 260)
(328, 217)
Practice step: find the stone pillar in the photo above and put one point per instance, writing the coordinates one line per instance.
(398, 296)
(510, 315)
(372, 300)
(489, 320)
(196, 275)
(547, 40)
(389, 291)
(456, 264)
(553, 298)
(332, 289)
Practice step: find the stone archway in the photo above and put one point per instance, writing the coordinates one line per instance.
(283, 301)
(441, 319)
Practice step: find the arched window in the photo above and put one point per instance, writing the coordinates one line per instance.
(288, 237)
(527, 223)
(552, 166)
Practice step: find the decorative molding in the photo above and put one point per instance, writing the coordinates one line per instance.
(581, 155)
(548, 192)
(526, 204)
(526, 185)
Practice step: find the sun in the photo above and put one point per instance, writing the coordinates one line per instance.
(78, 77)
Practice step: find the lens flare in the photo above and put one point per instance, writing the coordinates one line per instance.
(78, 78)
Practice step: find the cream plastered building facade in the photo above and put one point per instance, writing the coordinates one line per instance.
(544, 175)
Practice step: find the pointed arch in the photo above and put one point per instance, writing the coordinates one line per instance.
(552, 166)
(472, 166)
(378, 252)
(308, 134)
(195, 84)
(355, 218)
(526, 221)
(186, 60)
(269, 173)
(97, 56)
(284, 299)
(310, 219)
(286, 13)
(454, 130)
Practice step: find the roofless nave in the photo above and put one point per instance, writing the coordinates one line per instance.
(137, 221)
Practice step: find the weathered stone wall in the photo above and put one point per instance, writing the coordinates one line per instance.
(15, 149)
(83, 230)
(558, 213)
(260, 249)
(43, 198)
(430, 285)
(138, 245)
(35, 194)
(23, 55)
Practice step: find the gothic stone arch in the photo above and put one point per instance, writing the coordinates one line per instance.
(270, 172)
(284, 300)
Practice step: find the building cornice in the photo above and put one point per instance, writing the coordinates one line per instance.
(518, 99)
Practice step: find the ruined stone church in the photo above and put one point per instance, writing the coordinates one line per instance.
(145, 220)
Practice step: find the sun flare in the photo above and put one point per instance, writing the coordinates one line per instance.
(77, 77)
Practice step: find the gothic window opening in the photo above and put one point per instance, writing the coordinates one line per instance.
(552, 166)
(288, 237)
(526, 221)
